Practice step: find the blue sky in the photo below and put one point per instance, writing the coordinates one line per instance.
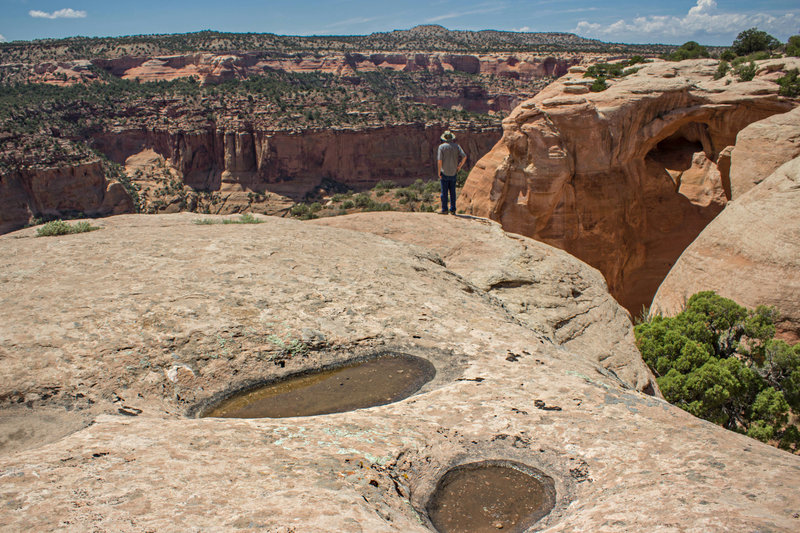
(675, 21)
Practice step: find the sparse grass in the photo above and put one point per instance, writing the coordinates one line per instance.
(59, 227)
(246, 218)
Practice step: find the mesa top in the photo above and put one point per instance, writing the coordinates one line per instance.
(450, 153)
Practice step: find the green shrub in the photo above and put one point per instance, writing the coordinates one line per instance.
(362, 200)
(349, 204)
(59, 227)
(793, 46)
(746, 72)
(340, 197)
(385, 184)
(754, 40)
(727, 55)
(719, 361)
(688, 50)
(303, 211)
(599, 85)
(755, 56)
(790, 85)
(722, 69)
(245, 218)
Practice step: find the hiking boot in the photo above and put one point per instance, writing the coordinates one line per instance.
(453, 212)
(442, 212)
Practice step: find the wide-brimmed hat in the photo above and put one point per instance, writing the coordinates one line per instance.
(448, 136)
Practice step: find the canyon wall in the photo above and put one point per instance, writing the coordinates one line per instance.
(295, 163)
(57, 192)
(282, 165)
(626, 178)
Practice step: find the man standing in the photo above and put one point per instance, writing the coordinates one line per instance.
(448, 165)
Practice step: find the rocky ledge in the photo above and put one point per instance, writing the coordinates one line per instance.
(139, 325)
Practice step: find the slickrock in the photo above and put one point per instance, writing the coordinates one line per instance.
(626, 178)
(749, 253)
(144, 321)
(547, 289)
(761, 148)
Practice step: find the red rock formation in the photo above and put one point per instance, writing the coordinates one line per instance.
(212, 68)
(294, 163)
(81, 188)
(623, 179)
(750, 252)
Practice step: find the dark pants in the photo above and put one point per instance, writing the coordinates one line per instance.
(448, 184)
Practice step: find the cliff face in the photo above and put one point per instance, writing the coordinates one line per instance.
(626, 178)
(751, 251)
(294, 163)
(58, 191)
(213, 68)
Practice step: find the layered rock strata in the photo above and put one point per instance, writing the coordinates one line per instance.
(140, 322)
(213, 68)
(293, 163)
(59, 191)
(625, 178)
(749, 253)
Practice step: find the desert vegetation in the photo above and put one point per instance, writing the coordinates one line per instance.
(722, 362)
(59, 227)
(421, 196)
(429, 38)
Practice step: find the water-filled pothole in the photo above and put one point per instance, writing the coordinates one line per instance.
(491, 496)
(384, 379)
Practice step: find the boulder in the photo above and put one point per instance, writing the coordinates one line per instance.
(141, 325)
(626, 178)
(750, 253)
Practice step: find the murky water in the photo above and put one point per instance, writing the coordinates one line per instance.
(378, 381)
(490, 496)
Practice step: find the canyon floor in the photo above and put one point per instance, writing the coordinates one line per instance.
(130, 331)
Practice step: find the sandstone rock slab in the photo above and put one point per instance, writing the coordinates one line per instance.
(97, 322)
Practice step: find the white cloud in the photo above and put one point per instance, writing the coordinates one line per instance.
(481, 10)
(702, 19)
(522, 29)
(352, 22)
(60, 14)
(2, 39)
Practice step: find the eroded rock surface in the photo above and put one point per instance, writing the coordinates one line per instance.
(547, 289)
(749, 253)
(761, 148)
(626, 178)
(141, 322)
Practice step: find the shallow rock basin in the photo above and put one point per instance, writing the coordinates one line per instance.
(490, 496)
(377, 381)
